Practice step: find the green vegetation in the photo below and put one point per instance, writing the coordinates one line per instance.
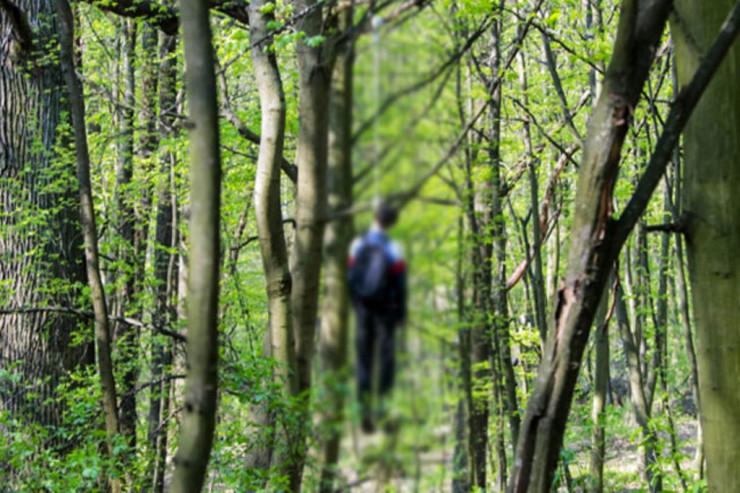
(572, 306)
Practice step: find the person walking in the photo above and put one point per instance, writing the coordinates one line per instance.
(378, 285)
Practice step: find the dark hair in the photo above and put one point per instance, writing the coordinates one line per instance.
(386, 215)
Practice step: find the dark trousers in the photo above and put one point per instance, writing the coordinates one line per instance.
(374, 329)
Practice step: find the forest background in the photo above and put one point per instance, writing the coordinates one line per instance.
(161, 329)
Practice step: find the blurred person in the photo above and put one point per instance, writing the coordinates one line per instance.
(377, 284)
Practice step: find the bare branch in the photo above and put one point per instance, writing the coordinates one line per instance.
(89, 315)
(290, 169)
(677, 118)
(438, 72)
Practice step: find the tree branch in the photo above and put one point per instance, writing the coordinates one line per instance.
(680, 112)
(164, 18)
(290, 169)
(89, 315)
(438, 72)
(679, 227)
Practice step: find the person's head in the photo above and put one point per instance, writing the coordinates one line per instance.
(385, 215)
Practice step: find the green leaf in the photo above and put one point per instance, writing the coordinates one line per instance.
(267, 8)
(315, 41)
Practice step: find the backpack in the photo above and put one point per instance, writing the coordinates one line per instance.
(368, 276)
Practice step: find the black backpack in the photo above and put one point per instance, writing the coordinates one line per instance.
(368, 276)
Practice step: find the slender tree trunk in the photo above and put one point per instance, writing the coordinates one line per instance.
(337, 238)
(479, 335)
(126, 336)
(683, 307)
(279, 337)
(314, 81)
(683, 302)
(601, 384)
(502, 341)
(87, 216)
(460, 478)
(164, 265)
(201, 386)
(711, 208)
(640, 405)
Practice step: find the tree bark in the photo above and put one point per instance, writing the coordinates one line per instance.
(90, 235)
(334, 336)
(314, 80)
(711, 208)
(279, 339)
(590, 257)
(36, 254)
(601, 384)
(201, 386)
(126, 336)
(165, 265)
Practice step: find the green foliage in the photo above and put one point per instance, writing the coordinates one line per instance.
(416, 130)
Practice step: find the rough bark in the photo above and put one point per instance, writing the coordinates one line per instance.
(90, 235)
(711, 208)
(201, 385)
(35, 255)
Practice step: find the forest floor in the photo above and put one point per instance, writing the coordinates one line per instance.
(416, 459)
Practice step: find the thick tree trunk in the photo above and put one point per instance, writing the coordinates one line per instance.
(90, 235)
(35, 346)
(337, 237)
(711, 208)
(201, 386)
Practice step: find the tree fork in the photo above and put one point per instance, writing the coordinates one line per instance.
(598, 237)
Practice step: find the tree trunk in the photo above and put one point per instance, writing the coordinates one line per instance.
(126, 336)
(164, 266)
(711, 208)
(479, 337)
(90, 235)
(314, 81)
(601, 384)
(34, 255)
(201, 386)
(337, 238)
(591, 254)
(640, 405)
(279, 338)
